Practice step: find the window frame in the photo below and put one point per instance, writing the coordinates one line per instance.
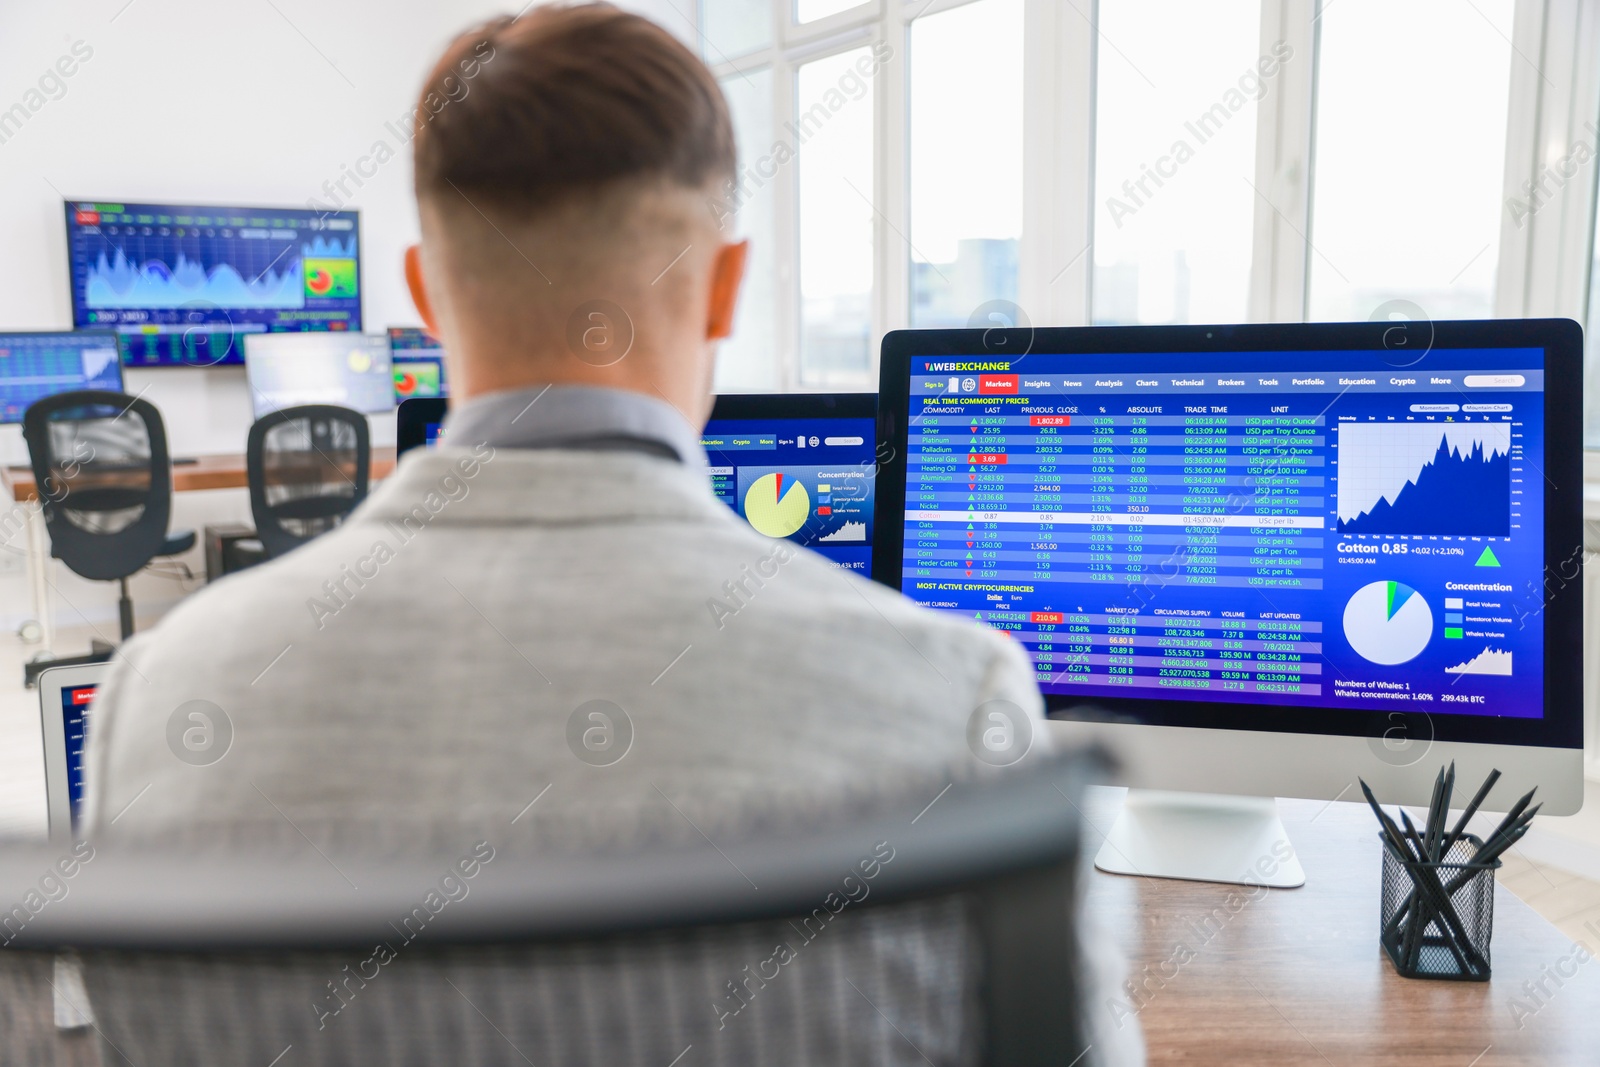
(1543, 269)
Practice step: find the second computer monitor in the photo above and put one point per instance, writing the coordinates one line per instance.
(348, 369)
(799, 466)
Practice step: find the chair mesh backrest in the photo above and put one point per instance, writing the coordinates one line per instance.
(644, 999)
(101, 463)
(99, 468)
(308, 470)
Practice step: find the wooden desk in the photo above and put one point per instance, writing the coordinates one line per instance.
(1295, 976)
(226, 471)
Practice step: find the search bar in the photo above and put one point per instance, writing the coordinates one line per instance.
(1494, 381)
(842, 441)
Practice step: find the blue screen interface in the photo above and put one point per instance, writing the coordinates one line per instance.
(36, 365)
(807, 480)
(1273, 528)
(184, 284)
(75, 702)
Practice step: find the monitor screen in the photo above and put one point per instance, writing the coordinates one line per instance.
(37, 365)
(350, 370)
(418, 361)
(184, 284)
(75, 702)
(1273, 538)
(799, 466)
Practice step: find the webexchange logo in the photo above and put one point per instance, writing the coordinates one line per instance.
(964, 368)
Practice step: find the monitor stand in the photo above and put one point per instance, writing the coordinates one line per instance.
(1202, 837)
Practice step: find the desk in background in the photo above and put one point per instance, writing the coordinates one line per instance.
(1296, 976)
(226, 471)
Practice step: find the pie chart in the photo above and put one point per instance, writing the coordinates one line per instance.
(776, 506)
(1388, 623)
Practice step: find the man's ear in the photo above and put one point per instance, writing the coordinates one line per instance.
(419, 288)
(727, 273)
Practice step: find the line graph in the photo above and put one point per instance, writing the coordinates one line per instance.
(1425, 479)
(116, 283)
(269, 273)
(850, 531)
(1489, 661)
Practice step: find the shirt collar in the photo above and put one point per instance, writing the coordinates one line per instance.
(582, 417)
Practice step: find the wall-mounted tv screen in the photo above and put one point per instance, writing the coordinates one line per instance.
(184, 284)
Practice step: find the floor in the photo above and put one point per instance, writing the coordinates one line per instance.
(1566, 900)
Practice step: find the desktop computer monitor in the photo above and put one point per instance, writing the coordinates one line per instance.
(184, 283)
(347, 369)
(1264, 560)
(418, 360)
(36, 365)
(799, 466)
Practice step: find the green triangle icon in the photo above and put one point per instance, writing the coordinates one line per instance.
(1488, 559)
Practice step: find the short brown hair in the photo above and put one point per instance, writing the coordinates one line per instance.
(567, 99)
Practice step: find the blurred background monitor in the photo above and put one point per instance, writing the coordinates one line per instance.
(37, 365)
(418, 360)
(184, 284)
(348, 369)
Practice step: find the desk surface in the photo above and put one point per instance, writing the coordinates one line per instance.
(225, 471)
(1296, 976)
(1293, 977)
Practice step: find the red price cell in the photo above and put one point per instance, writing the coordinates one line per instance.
(88, 218)
(986, 457)
(1045, 616)
(1050, 420)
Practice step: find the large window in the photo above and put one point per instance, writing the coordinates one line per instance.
(833, 122)
(1408, 189)
(910, 163)
(966, 161)
(1591, 340)
(1175, 149)
(746, 210)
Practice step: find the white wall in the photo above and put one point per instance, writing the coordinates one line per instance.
(250, 103)
(232, 103)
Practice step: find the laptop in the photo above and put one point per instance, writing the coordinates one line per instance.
(66, 697)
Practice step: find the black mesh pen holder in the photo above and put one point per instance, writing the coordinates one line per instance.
(1438, 918)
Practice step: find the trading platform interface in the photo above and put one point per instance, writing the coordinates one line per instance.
(185, 284)
(1284, 528)
(418, 360)
(75, 702)
(34, 366)
(807, 480)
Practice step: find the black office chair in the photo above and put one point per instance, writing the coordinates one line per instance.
(308, 469)
(196, 955)
(104, 479)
